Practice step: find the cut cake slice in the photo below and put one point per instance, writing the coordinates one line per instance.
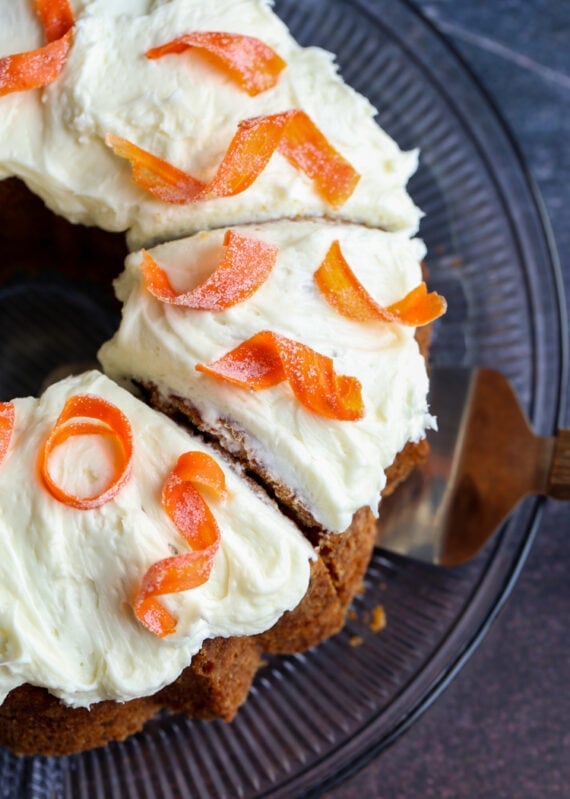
(323, 469)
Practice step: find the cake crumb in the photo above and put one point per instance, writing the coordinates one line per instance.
(378, 621)
(355, 640)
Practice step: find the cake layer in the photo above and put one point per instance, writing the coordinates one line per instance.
(328, 467)
(69, 575)
(186, 110)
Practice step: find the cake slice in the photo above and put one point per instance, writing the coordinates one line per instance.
(83, 521)
(323, 469)
(308, 142)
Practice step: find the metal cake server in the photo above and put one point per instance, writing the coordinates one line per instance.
(484, 458)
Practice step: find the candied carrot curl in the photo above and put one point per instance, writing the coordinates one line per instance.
(267, 359)
(292, 133)
(7, 417)
(249, 62)
(342, 289)
(56, 17)
(167, 182)
(184, 504)
(34, 69)
(245, 266)
(108, 421)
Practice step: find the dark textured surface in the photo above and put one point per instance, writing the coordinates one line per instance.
(502, 728)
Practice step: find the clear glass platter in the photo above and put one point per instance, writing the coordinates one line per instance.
(313, 719)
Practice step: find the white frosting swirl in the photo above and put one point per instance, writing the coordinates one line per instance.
(67, 576)
(185, 111)
(334, 467)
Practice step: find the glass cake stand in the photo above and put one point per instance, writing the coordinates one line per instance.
(313, 719)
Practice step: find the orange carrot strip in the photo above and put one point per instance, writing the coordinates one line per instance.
(202, 471)
(187, 509)
(253, 364)
(267, 359)
(156, 176)
(7, 418)
(310, 151)
(109, 421)
(246, 264)
(291, 132)
(342, 289)
(56, 17)
(249, 62)
(248, 154)
(35, 68)
(419, 307)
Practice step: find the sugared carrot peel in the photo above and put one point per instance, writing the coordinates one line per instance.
(249, 62)
(184, 504)
(342, 289)
(245, 266)
(104, 419)
(267, 359)
(36, 68)
(292, 133)
(7, 418)
(56, 17)
(158, 177)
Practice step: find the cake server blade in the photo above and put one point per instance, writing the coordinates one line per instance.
(483, 459)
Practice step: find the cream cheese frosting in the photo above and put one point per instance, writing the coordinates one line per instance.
(333, 467)
(67, 576)
(185, 111)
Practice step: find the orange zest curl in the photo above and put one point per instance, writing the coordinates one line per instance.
(181, 499)
(342, 289)
(267, 359)
(245, 266)
(292, 133)
(108, 421)
(249, 62)
(7, 417)
(56, 17)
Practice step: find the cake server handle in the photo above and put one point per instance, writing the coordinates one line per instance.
(483, 460)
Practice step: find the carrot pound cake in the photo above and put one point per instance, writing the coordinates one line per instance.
(274, 302)
(166, 117)
(316, 396)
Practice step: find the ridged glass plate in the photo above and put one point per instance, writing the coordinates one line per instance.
(312, 719)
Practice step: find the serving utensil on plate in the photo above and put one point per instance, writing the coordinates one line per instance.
(484, 458)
